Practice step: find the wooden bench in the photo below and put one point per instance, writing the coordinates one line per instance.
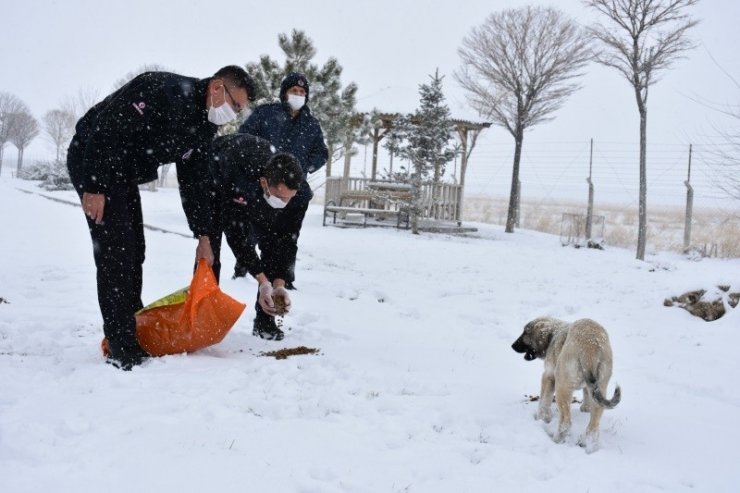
(330, 208)
(391, 192)
(375, 201)
(381, 193)
(356, 196)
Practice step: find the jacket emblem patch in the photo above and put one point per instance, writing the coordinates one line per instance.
(139, 107)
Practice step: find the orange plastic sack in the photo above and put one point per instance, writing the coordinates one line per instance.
(188, 319)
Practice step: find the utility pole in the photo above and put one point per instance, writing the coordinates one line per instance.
(590, 209)
(689, 208)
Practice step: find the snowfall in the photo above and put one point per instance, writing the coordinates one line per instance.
(415, 387)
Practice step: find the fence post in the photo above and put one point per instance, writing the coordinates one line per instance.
(590, 209)
(689, 208)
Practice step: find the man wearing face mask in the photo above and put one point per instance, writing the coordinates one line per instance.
(254, 190)
(290, 127)
(156, 118)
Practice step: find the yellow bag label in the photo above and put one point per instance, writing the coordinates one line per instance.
(175, 298)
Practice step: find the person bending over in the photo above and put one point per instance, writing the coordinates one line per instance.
(254, 190)
(156, 118)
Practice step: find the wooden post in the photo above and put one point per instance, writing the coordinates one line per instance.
(376, 139)
(330, 148)
(463, 133)
(689, 208)
(590, 209)
(348, 145)
(347, 160)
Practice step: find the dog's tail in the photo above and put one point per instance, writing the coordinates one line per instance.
(599, 397)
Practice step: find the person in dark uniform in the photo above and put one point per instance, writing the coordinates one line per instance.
(254, 191)
(290, 127)
(156, 118)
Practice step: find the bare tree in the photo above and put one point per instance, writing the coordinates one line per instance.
(59, 126)
(518, 68)
(10, 106)
(640, 39)
(78, 104)
(723, 155)
(25, 129)
(722, 149)
(147, 67)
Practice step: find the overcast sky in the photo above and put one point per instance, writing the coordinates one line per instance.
(49, 50)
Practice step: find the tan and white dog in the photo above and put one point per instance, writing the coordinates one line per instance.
(577, 356)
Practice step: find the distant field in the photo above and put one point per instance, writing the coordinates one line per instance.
(715, 231)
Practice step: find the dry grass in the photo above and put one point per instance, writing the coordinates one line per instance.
(717, 231)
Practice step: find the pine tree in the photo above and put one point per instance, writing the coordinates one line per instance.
(428, 132)
(331, 104)
(392, 142)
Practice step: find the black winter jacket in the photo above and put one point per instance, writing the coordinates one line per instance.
(237, 162)
(300, 136)
(156, 118)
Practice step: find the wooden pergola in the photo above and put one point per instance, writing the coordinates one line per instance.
(467, 132)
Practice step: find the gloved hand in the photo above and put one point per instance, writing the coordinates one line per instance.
(282, 300)
(265, 298)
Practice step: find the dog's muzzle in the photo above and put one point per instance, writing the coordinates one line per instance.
(520, 347)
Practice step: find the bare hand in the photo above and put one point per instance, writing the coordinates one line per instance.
(204, 250)
(93, 205)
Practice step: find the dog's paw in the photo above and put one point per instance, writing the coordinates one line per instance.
(562, 433)
(544, 414)
(589, 443)
(585, 408)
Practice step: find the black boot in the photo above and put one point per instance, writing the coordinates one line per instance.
(266, 328)
(126, 359)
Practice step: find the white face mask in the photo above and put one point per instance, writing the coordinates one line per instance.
(296, 102)
(273, 201)
(221, 115)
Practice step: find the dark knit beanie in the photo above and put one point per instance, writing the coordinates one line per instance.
(293, 79)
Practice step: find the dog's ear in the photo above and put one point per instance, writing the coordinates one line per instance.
(541, 335)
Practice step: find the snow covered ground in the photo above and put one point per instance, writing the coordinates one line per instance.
(415, 389)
